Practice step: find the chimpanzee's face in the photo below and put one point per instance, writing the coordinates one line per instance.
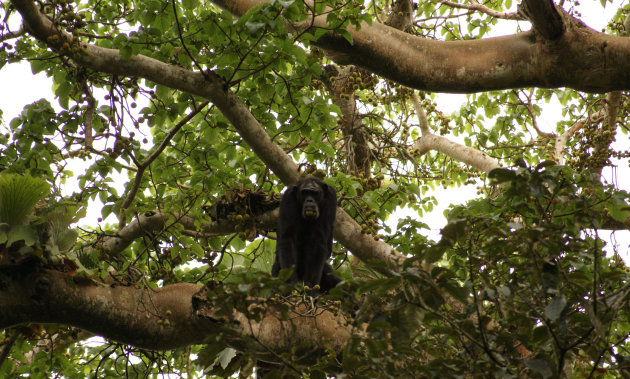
(310, 196)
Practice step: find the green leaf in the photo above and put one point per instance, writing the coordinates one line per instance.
(545, 164)
(62, 90)
(18, 196)
(24, 233)
(189, 4)
(107, 210)
(539, 366)
(38, 66)
(319, 33)
(67, 239)
(554, 309)
(126, 51)
(346, 35)
(618, 208)
(225, 357)
(381, 284)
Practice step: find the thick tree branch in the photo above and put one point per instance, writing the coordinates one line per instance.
(212, 87)
(160, 319)
(580, 58)
(206, 85)
(126, 314)
(544, 16)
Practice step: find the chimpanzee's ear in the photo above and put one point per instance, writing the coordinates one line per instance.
(329, 191)
(289, 208)
(291, 191)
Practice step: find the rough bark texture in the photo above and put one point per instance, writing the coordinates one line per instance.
(126, 314)
(544, 16)
(160, 319)
(579, 58)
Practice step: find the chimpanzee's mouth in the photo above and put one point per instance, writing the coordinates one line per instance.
(311, 214)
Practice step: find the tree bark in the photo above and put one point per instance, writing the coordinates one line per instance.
(544, 16)
(126, 314)
(160, 319)
(212, 87)
(579, 58)
(429, 141)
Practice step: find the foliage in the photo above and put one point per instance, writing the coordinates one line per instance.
(18, 196)
(28, 225)
(521, 280)
(531, 269)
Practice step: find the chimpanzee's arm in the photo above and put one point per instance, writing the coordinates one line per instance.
(286, 248)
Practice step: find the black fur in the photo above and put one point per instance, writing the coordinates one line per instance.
(305, 233)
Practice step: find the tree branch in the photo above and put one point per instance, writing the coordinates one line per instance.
(155, 221)
(544, 17)
(147, 162)
(580, 58)
(475, 6)
(212, 87)
(430, 141)
(126, 314)
(146, 223)
(532, 113)
(160, 319)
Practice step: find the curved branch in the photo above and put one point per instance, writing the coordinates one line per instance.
(146, 223)
(206, 85)
(532, 113)
(580, 58)
(212, 87)
(462, 153)
(162, 318)
(475, 6)
(147, 162)
(155, 221)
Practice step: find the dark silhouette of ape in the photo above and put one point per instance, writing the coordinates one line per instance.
(305, 233)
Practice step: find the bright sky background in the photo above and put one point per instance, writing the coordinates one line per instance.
(21, 87)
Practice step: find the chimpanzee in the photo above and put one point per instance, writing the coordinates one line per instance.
(305, 233)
